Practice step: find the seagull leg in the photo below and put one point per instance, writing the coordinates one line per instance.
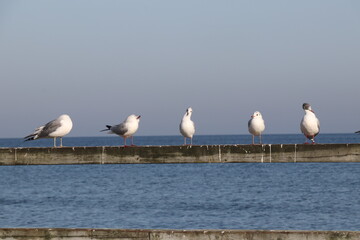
(184, 140)
(54, 141)
(313, 139)
(125, 142)
(260, 138)
(306, 139)
(253, 139)
(132, 141)
(191, 141)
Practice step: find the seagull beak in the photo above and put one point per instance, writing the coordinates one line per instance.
(138, 117)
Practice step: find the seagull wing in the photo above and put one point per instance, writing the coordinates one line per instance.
(249, 123)
(119, 129)
(49, 128)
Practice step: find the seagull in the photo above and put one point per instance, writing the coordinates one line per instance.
(310, 124)
(256, 125)
(56, 128)
(125, 129)
(187, 126)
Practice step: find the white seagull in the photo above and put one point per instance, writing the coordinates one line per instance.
(56, 128)
(310, 124)
(125, 129)
(187, 126)
(256, 125)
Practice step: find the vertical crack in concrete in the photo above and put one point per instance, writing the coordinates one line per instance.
(15, 154)
(102, 155)
(220, 160)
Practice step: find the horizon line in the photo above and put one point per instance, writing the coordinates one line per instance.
(241, 134)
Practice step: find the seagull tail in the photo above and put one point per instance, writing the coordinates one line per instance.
(30, 137)
(357, 132)
(107, 128)
(34, 135)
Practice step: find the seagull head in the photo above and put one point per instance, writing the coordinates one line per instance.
(189, 111)
(133, 118)
(256, 114)
(64, 116)
(307, 106)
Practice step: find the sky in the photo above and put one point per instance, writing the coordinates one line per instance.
(100, 61)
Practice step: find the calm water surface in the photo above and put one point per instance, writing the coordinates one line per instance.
(317, 196)
(183, 196)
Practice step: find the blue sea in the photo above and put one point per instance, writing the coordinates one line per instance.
(284, 196)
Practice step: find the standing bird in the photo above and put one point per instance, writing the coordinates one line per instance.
(310, 124)
(56, 128)
(256, 125)
(125, 129)
(187, 126)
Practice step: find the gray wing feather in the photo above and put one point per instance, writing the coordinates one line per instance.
(249, 123)
(49, 128)
(119, 129)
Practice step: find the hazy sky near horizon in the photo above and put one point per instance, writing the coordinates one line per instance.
(100, 61)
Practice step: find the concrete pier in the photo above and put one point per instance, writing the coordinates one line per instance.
(182, 154)
(101, 234)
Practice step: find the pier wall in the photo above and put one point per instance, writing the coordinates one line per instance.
(124, 234)
(182, 154)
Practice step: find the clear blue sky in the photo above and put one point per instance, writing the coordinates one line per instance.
(100, 61)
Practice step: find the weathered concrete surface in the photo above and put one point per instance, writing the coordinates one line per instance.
(101, 234)
(182, 154)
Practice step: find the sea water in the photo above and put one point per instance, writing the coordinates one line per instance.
(301, 196)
